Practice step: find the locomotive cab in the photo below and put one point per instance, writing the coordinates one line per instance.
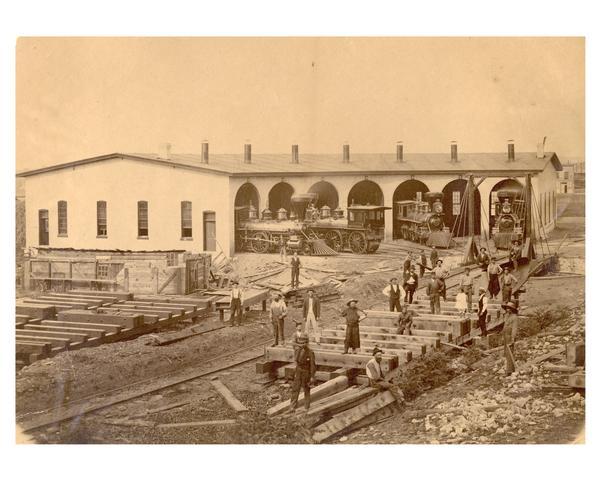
(367, 216)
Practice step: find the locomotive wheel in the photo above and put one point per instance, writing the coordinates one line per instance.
(258, 245)
(358, 242)
(334, 241)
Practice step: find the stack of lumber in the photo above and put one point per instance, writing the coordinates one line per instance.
(326, 292)
(252, 296)
(53, 322)
(422, 321)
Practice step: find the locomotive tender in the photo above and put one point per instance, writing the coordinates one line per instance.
(361, 232)
(423, 222)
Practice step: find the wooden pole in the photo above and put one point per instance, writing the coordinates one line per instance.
(471, 206)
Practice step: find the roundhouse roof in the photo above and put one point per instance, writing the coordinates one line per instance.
(263, 164)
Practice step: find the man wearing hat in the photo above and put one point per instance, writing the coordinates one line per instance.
(295, 263)
(411, 283)
(509, 332)
(377, 379)
(494, 270)
(507, 281)
(236, 299)
(466, 283)
(311, 312)
(405, 320)
(441, 274)
(483, 260)
(395, 293)
(433, 256)
(482, 311)
(353, 319)
(277, 313)
(305, 372)
(434, 289)
(515, 254)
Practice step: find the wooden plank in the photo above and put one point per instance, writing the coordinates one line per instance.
(228, 396)
(78, 296)
(36, 311)
(206, 423)
(97, 293)
(577, 380)
(341, 402)
(575, 355)
(24, 346)
(102, 326)
(334, 359)
(433, 342)
(345, 420)
(321, 391)
(405, 354)
(70, 300)
(91, 332)
(75, 337)
(56, 303)
(124, 319)
(60, 342)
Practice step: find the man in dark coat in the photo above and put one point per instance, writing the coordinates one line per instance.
(434, 290)
(353, 319)
(482, 311)
(434, 256)
(411, 283)
(405, 320)
(515, 254)
(295, 262)
(407, 262)
(305, 372)
(483, 260)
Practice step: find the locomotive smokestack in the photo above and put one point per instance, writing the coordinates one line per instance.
(511, 151)
(204, 157)
(295, 158)
(399, 152)
(247, 153)
(346, 153)
(453, 152)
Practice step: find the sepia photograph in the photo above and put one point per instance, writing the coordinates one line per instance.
(300, 240)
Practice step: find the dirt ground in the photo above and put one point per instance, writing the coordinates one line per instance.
(546, 417)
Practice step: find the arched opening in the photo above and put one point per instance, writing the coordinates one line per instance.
(327, 194)
(280, 197)
(247, 194)
(456, 214)
(408, 190)
(507, 184)
(365, 192)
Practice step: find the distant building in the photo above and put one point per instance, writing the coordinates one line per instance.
(566, 179)
(188, 201)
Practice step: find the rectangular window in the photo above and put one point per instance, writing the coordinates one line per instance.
(62, 218)
(456, 203)
(102, 270)
(186, 219)
(210, 232)
(142, 218)
(419, 196)
(102, 229)
(44, 227)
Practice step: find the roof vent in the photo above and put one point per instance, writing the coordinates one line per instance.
(247, 153)
(453, 152)
(540, 148)
(295, 158)
(511, 150)
(346, 153)
(204, 158)
(164, 150)
(399, 152)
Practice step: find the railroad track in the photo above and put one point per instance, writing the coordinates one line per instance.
(35, 420)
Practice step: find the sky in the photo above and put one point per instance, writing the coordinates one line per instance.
(81, 97)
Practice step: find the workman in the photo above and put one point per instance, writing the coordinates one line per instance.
(304, 374)
(405, 320)
(311, 312)
(295, 263)
(236, 299)
(395, 293)
(277, 313)
(377, 379)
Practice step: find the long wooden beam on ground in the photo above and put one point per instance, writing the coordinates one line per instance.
(326, 389)
(228, 396)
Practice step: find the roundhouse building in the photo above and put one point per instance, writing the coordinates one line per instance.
(172, 201)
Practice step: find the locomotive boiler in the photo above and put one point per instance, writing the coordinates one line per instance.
(508, 219)
(422, 221)
(361, 231)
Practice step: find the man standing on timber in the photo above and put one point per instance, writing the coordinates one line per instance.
(395, 293)
(434, 256)
(423, 264)
(482, 311)
(411, 284)
(434, 288)
(278, 312)
(311, 312)
(494, 270)
(441, 274)
(353, 319)
(236, 299)
(466, 283)
(509, 332)
(377, 379)
(305, 372)
(407, 262)
(515, 254)
(483, 260)
(507, 281)
(295, 270)
(405, 320)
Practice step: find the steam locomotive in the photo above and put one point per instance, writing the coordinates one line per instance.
(508, 219)
(361, 232)
(423, 222)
